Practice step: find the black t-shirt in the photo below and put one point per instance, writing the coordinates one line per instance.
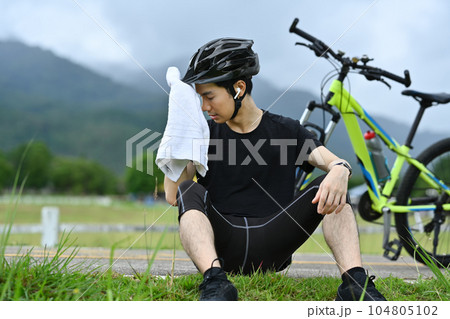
(250, 174)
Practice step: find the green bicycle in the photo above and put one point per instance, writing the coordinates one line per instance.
(421, 202)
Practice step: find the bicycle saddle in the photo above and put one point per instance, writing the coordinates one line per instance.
(441, 98)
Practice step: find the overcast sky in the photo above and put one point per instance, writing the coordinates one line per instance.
(399, 34)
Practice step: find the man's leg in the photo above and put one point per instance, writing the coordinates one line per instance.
(341, 234)
(197, 238)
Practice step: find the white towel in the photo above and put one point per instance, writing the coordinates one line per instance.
(186, 136)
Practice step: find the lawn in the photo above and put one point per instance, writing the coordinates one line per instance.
(119, 211)
(135, 213)
(53, 279)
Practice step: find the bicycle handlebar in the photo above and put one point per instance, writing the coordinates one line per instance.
(371, 73)
(320, 48)
(406, 80)
(303, 34)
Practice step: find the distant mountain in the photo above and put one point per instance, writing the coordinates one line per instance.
(73, 109)
(39, 73)
(79, 112)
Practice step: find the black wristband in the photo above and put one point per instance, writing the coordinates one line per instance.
(345, 164)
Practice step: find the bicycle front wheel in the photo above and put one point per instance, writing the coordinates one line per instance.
(420, 229)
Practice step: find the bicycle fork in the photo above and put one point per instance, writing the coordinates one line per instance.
(323, 135)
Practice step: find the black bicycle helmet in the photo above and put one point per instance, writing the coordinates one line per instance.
(221, 60)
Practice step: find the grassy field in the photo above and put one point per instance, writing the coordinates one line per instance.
(370, 243)
(52, 279)
(135, 213)
(269, 287)
(119, 211)
(125, 212)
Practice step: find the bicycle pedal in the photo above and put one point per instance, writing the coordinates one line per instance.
(389, 248)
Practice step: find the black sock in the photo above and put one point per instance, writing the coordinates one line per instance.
(352, 273)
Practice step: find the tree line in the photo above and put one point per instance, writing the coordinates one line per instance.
(40, 170)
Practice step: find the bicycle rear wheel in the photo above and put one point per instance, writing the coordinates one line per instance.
(420, 227)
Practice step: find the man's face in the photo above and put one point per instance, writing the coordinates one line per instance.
(216, 101)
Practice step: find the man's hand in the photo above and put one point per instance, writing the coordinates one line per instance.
(332, 193)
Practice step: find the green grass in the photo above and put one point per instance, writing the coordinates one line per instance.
(125, 212)
(119, 212)
(25, 280)
(106, 240)
(370, 243)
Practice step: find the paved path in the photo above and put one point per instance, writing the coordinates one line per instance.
(303, 265)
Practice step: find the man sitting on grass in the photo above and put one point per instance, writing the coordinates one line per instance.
(242, 215)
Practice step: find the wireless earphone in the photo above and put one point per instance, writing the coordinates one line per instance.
(237, 93)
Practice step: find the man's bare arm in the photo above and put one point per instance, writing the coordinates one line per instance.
(171, 187)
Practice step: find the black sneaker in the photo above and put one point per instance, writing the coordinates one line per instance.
(352, 288)
(217, 287)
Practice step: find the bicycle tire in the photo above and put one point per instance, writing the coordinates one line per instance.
(411, 232)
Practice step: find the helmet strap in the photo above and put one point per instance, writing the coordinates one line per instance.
(237, 102)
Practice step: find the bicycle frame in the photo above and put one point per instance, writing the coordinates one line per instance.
(380, 195)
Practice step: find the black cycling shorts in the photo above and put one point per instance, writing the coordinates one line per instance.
(247, 244)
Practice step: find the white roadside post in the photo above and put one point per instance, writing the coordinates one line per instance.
(50, 226)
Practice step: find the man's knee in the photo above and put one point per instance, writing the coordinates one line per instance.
(191, 196)
(346, 213)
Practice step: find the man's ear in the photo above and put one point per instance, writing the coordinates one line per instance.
(239, 87)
